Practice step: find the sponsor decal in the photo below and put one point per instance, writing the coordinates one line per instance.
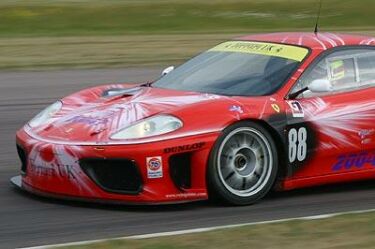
(263, 48)
(42, 170)
(186, 195)
(365, 136)
(236, 108)
(365, 133)
(88, 120)
(59, 162)
(183, 148)
(296, 108)
(354, 161)
(54, 170)
(276, 108)
(154, 167)
(67, 171)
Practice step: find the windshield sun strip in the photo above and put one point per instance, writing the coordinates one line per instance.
(263, 48)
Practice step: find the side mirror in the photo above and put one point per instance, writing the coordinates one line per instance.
(167, 70)
(319, 86)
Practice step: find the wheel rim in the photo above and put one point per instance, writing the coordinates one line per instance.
(244, 161)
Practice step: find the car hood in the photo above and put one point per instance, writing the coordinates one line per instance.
(92, 116)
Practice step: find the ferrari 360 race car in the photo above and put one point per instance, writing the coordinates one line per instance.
(260, 112)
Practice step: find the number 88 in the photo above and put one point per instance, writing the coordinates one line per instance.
(297, 144)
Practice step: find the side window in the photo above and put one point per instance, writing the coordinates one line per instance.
(344, 70)
(318, 72)
(342, 73)
(366, 69)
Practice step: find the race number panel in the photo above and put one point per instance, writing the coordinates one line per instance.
(301, 144)
(297, 144)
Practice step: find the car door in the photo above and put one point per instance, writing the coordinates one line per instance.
(366, 73)
(332, 131)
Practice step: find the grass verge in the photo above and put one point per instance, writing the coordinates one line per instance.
(45, 53)
(114, 17)
(344, 231)
(44, 34)
(102, 51)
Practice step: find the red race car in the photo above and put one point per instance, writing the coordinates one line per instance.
(282, 111)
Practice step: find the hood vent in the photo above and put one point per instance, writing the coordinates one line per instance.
(113, 92)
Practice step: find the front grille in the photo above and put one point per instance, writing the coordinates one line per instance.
(23, 157)
(180, 170)
(114, 175)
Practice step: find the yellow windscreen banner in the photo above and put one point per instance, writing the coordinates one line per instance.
(263, 48)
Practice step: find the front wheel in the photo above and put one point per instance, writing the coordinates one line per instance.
(243, 164)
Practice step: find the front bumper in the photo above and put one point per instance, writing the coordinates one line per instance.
(57, 170)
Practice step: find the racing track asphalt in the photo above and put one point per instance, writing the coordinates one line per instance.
(26, 220)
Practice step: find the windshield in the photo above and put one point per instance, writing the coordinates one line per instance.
(236, 68)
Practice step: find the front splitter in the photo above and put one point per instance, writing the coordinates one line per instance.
(17, 182)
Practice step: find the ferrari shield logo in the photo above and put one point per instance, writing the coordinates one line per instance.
(276, 108)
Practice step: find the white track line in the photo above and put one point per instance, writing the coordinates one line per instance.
(198, 230)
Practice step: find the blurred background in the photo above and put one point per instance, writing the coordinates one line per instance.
(54, 34)
(51, 48)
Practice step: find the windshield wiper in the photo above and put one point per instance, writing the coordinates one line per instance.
(147, 84)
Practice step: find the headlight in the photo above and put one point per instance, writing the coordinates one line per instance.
(46, 114)
(153, 126)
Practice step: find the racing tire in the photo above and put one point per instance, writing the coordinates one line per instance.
(243, 164)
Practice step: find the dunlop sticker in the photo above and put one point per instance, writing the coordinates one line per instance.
(263, 48)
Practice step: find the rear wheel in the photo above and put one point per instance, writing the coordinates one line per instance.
(243, 164)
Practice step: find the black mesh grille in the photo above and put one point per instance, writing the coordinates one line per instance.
(114, 175)
(180, 170)
(23, 157)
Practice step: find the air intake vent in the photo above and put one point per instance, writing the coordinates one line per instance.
(23, 157)
(114, 175)
(180, 170)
